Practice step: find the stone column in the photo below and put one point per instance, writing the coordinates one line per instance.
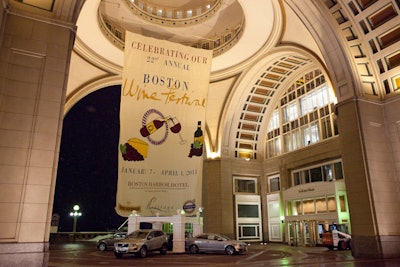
(371, 178)
(34, 60)
(133, 222)
(179, 233)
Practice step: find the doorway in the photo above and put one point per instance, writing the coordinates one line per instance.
(303, 233)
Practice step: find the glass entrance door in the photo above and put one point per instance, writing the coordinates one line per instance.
(303, 233)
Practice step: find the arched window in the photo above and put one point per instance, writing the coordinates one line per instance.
(304, 116)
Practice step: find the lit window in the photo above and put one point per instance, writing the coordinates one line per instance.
(327, 172)
(274, 121)
(307, 115)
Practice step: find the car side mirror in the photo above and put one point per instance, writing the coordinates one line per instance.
(149, 237)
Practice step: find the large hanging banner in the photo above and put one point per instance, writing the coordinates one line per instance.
(162, 115)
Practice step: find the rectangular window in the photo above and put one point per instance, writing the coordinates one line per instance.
(274, 147)
(289, 208)
(316, 174)
(248, 231)
(296, 139)
(328, 173)
(247, 211)
(305, 176)
(274, 184)
(314, 131)
(296, 178)
(338, 170)
(286, 141)
(243, 185)
(326, 127)
(342, 202)
(308, 206)
(299, 208)
(331, 204)
(320, 204)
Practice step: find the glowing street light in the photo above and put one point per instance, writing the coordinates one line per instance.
(76, 213)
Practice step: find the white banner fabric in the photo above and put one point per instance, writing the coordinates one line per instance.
(162, 117)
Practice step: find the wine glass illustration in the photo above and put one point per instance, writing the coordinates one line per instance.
(176, 128)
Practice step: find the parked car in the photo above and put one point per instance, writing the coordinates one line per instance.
(141, 242)
(215, 243)
(108, 242)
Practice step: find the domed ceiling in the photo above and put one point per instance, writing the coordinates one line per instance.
(203, 24)
(221, 26)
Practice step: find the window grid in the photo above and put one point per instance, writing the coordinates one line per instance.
(304, 116)
(327, 172)
(253, 112)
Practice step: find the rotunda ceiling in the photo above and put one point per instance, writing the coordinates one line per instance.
(204, 24)
(226, 27)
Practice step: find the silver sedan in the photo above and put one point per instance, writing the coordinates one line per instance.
(215, 243)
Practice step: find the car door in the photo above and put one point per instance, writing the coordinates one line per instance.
(201, 241)
(216, 244)
(155, 240)
(208, 244)
(150, 240)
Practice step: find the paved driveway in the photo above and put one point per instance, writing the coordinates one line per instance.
(85, 254)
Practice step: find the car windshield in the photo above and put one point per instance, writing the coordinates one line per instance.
(138, 234)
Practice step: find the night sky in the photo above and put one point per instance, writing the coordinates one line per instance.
(88, 163)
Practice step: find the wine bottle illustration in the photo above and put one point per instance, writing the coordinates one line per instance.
(198, 136)
(151, 127)
(197, 146)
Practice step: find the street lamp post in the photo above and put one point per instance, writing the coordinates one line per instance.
(75, 214)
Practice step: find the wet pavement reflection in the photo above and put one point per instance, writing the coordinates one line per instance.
(86, 254)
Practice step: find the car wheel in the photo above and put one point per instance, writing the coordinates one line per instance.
(143, 252)
(118, 255)
(102, 246)
(193, 249)
(230, 250)
(342, 245)
(163, 249)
